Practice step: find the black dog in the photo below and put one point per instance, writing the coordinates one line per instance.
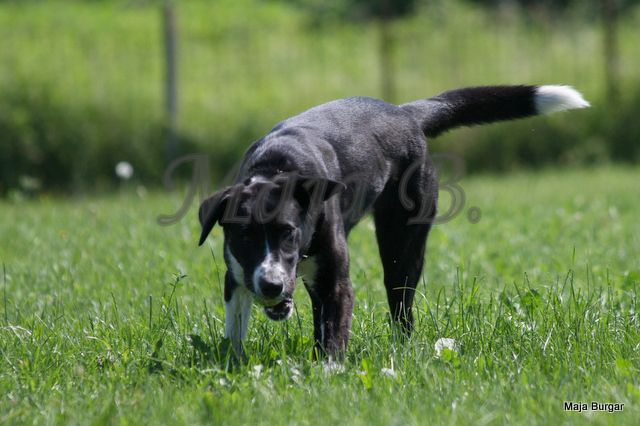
(303, 186)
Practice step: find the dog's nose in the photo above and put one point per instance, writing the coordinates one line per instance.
(270, 289)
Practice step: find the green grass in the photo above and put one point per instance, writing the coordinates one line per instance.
(82, 82)
(97, 325)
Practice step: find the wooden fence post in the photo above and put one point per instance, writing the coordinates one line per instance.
(171, 85)
(610, 46)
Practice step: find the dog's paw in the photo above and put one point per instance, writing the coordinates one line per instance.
(331, 367)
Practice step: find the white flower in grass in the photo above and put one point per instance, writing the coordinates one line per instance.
(257, 371)
(389, 372)
(445, 343)
(124, 170)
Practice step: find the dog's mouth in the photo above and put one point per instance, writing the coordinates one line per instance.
(280, 311)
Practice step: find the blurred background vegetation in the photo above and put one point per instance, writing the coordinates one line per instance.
(86, 84)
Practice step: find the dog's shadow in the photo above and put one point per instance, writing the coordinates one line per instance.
(219, 353)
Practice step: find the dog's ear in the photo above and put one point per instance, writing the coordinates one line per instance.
(211, 211)
(313, 190)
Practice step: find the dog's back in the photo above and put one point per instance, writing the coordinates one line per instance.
(364, 132)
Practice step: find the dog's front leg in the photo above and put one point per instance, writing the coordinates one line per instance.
(331, 294)
(332, 319)
(238, 301)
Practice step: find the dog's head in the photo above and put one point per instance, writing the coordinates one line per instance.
(268, 225)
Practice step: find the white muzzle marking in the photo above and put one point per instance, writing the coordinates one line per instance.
(269, 271)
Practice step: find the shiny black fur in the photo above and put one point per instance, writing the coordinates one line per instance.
(378, 151)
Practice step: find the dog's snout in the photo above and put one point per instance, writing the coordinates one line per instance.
(270, 289)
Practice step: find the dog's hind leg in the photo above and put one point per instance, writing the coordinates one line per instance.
(402, 235)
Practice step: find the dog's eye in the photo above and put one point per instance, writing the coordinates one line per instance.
(288, 235)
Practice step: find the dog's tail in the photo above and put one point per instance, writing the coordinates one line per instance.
(477, 105)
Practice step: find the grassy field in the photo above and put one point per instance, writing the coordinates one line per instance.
(106, 317)
(82, 81)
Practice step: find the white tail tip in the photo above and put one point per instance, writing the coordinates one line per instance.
(550, 99)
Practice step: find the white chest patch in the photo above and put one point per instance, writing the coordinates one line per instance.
(307, 271)
(236, 269)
